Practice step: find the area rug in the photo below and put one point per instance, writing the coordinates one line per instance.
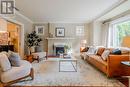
(47, 74)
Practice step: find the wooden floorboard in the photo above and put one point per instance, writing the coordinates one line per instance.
(57, 86)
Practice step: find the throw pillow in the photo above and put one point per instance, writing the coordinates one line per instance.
(4, 62)
(91, 50)
(100, 51)
(116, 52)
(85, 49)
(14, 59)
(105, 54)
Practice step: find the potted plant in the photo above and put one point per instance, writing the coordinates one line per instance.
(67, 48)
(32, 40)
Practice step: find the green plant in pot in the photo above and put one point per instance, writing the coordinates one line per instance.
(67, 48)
(32, 40)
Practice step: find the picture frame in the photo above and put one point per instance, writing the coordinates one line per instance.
(39, 30)
(60, 32)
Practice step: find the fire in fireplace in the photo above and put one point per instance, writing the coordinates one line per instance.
(59, 50)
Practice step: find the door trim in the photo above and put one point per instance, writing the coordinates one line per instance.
(22, 35)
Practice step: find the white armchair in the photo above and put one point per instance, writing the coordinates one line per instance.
(39, 56)
(12, 71)
(16, 73)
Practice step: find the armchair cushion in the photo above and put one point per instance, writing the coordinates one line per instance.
(14, 59)
(4, 62)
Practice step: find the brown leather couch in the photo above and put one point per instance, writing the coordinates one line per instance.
(112, 67)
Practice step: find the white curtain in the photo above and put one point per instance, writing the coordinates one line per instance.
(105, 34)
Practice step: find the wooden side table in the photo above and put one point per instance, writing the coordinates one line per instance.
(29, 58)
(127, 64)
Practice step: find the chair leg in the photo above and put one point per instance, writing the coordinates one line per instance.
(32, 73)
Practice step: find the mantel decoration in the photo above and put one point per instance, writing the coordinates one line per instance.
(60, 32)
(32, 40)
(39, 30)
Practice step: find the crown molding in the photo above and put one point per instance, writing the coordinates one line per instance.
(25, 17)
(110, 9)
(62, 22)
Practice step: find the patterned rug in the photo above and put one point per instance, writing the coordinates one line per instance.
(47, 74)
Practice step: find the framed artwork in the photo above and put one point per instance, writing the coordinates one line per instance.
(4, 38)
(39, 30)
(60, 32)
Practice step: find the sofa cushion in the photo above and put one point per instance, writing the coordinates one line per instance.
(116, 52)
(98, 62)
(14, 59)
(91, 50)
(98, 58)
(16, 72)
(100, 51)
(4, 62)
(85, 49)
(105, 54)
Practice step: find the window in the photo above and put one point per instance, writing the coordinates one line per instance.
(118, 31)
(80, 31)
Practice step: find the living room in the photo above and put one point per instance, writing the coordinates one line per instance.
(64, 43)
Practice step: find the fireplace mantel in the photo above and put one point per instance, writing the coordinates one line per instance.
(60, 38)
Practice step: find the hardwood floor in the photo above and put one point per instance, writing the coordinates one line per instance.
(125, 81)
(56, 86)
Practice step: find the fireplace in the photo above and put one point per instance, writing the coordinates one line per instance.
(59, 50)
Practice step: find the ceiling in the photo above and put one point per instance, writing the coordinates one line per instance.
(63, 10)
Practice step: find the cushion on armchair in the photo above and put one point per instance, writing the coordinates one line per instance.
(4, 62)
(14, 59)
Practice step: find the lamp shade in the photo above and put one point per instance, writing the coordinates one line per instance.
(84, 41)
(126, 41)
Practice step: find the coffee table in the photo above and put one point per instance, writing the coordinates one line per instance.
(71, 60)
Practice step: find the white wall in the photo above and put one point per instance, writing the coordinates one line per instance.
(70, 31)
(95, 34)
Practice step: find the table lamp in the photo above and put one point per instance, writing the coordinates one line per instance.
(126, 43)
(83, 45)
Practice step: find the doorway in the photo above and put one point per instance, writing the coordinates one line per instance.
(14, 31)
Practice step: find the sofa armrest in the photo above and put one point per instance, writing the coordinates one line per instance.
(114, 64)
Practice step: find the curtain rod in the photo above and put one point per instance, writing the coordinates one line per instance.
(126, 13)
